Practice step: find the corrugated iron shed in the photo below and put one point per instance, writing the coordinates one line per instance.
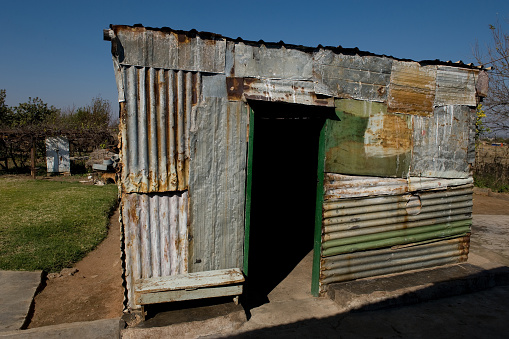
(394, 181)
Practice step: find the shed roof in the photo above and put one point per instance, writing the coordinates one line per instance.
(338, 49)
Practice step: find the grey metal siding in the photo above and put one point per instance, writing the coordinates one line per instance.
(169, 50)
(156, 236)
(443, 143)
(364, 264)
(217, 185)
(352, 76)
(455, 86)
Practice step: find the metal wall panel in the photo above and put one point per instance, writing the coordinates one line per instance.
(352, 76)
(455, 86)
(155, 236)
(139, 46)
(297, 92)
(373, 226)
(367, 140)
(370, 223)
(279, 62)
(338, 186)
(371, 263)
(412, 88)
(217, 185)
(444, 143)
(155, 128)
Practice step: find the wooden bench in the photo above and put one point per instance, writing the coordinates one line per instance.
(189, 286)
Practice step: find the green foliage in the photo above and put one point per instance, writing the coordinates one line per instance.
(95, 115)
(33, 112)
(49, 225)
(480, 128)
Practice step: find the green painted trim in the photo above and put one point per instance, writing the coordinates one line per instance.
(437, 235)
(359, 239)
(249, 181)
(317, 247)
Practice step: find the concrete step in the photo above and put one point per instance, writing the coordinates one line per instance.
(99, 329)
(416, 286)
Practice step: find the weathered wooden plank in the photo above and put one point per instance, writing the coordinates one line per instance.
(190, 281)
(181, 295)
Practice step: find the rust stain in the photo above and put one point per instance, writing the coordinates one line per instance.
(387, 135)
(183, 38)
(235, 88)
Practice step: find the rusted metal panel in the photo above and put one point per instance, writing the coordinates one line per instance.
(338, 186)
(156, 236)
(155, 128)
(456, 86)
(217, 185)
(367, 140)
(412, 88)
(187, 51)
(350, 226)
(444, 143)
(298, 92)
(351, 76)
(272, 62)
(371, 263)
(366, 220)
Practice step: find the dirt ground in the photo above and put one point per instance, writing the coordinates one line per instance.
(95, 291)
(92, 292)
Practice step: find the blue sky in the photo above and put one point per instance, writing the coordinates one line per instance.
(54, 49)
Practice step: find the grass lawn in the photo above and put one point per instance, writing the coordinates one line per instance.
(48, 225)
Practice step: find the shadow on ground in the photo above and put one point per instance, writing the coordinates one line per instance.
(479, 314)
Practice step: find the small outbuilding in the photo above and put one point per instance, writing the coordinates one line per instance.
(238, 157)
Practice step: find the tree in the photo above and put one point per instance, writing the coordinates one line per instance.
(5, 111)
(33, 113)
(496, 55)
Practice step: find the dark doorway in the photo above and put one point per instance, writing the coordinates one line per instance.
(283, 192)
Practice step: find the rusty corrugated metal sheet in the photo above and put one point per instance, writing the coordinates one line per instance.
(456, 86)
(364, 264)
(217, 185)
(365, 219)
(351, 76)
(367, 140)
(155, 128)
(297, 92)
(379, 222)
(260, 61)
(412, 88)
(338, 186)
(156, 236)
(187, 51)
(444, 143)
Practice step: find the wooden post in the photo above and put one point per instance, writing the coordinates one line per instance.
(32, 158)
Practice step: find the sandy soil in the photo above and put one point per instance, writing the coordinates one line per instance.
(95, 291)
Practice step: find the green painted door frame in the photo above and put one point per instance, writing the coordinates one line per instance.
(317, 244)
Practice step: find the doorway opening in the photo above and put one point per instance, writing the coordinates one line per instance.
(283, 174)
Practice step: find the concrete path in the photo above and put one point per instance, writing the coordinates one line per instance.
(17, 291)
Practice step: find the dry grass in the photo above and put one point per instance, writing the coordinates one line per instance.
(491, 168)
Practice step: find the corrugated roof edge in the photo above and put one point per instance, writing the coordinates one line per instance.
(339, 49)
